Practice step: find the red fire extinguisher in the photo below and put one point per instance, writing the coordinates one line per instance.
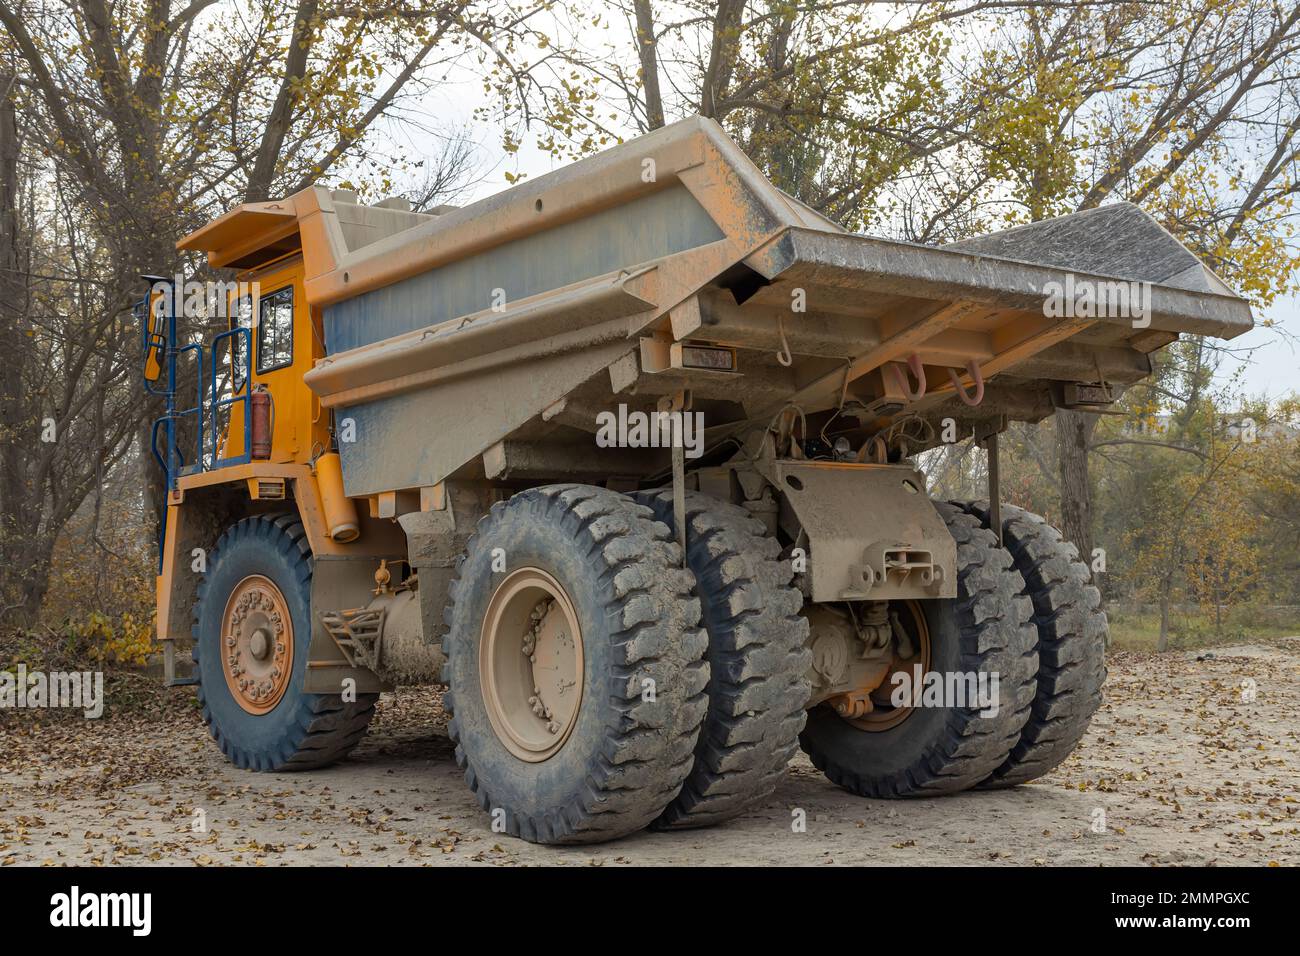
(261, 427)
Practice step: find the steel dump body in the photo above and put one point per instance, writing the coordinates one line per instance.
(485, 341)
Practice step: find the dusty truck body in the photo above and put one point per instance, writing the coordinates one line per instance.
(623, 456)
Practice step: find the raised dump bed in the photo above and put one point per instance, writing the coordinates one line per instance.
(437, 475)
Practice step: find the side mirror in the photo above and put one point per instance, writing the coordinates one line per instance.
(154, 329)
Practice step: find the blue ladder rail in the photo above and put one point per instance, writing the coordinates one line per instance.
(157, 317)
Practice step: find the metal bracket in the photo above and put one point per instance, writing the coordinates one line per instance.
(995, 487)
(678, 402)
(880, 560)
(1087, 395)
(986, 434)
(1097, 398)
(169, 668)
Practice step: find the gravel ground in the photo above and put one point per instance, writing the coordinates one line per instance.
(1179, 767)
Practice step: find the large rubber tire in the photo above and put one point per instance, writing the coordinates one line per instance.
(758, 662)
(304, 731)
(938, 750)
(1071, 644)
(626, 756)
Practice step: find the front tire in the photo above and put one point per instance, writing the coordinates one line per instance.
(573, 737)
(252, 630)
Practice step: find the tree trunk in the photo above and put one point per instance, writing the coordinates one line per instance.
(647, 48)
(153, 487)
(14, 426)
(722, 57)
(1073, 434)
(30, 578)
(1162, 643)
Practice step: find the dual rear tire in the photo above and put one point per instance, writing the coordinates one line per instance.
(758, 660)
(1072, 631)
(680, 725)
(1026, 620)
(986, 638)
(602, 740)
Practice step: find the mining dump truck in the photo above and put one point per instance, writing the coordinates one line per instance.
(626, 457)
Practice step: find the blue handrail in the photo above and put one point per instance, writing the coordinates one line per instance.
(158, 337)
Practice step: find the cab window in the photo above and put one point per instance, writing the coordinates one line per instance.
(275, 330)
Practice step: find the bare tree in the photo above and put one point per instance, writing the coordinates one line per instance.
(934, 122)
(139, 123)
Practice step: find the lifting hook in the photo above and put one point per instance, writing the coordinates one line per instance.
(904, 385)
(973, 370)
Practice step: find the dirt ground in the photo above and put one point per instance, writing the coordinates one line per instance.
(1178, 768)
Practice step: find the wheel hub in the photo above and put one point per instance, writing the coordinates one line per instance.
(257, 640)
(869, 707)
(531, 664)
